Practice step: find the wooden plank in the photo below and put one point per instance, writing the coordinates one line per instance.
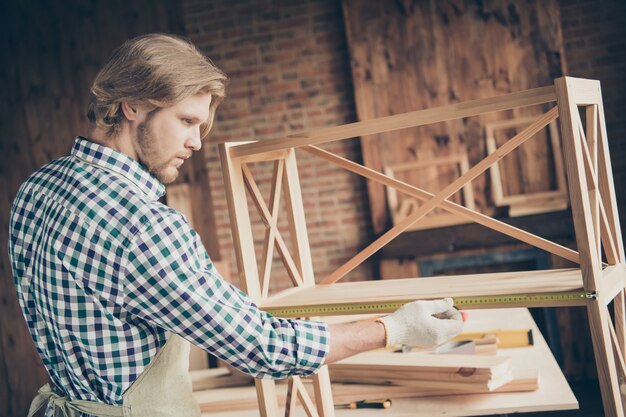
(582, 91)
(270, 233)
(607, 191)
(553, 393)
(571, 93)
(297, 221)
(218, 378)
(266, 397)
(590, 149)
(556, 226)
(554, 280)
(244, 398)
(572, 147)
(417, 362)
(605, 359)
(302, 250)
(400, 121)
(601, 225)
(246, 258)
(324, 393)
(240, 223)
(606, 184)
(459, 210)
(265, 156)
(442, 196)
(447, 386)
(473, 373)
(619, 358)
(587, 249)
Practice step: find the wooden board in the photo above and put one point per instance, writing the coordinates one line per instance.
(465, 366)
(434, 287)
(218, 400)
(553, 393)
(465, 373)
(408, 55)
(556, 227)
(218, 378)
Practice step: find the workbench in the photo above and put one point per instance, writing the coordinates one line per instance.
(554, 392)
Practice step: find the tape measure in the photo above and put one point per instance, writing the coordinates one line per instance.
(525, 300)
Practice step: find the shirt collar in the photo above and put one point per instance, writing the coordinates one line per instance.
(112, 160)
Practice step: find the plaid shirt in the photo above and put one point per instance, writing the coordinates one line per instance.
(104, 271)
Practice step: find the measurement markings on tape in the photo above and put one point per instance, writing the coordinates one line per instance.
(459, 302)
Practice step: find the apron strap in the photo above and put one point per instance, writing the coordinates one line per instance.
(64, 407)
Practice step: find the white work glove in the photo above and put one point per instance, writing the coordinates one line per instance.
(423, 323)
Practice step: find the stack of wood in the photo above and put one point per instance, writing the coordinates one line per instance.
(428, 372)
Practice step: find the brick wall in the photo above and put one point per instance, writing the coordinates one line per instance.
(289, 72)
(594, 37)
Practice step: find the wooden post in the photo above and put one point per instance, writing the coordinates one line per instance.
(246, 258)
(236, 178)
(304, 262)
(572, 93)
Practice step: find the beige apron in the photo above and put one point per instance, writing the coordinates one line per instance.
(162, 390)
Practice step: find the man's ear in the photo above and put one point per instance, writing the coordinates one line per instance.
(131, 110)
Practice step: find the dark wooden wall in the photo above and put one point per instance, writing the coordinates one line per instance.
(411, 55)
(49, 54)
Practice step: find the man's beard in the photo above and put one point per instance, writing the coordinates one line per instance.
(149, 154)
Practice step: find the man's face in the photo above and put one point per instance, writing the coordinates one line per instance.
(168, 136)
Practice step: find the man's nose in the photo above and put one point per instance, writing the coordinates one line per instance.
(194, 142)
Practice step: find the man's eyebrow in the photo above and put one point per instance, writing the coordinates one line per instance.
(195, 119)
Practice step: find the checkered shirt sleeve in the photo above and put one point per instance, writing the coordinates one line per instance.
(103, 272)
(171, 282)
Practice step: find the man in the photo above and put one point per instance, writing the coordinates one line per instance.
(113, 284)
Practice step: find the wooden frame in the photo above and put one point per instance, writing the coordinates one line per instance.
(594, 212)
(400, 211)
(527, 203)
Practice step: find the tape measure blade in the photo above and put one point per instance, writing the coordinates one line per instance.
(572, 298)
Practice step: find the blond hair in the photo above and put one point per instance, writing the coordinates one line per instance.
(155, 71)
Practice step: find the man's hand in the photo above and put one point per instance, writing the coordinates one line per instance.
(423, 323)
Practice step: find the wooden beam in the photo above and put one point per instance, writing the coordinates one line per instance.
(270, 232)
(408, 289)
(601, 224)
(243, 242)
(400, 121)
(431, 204)
(571, 93)
(447, 205)
(555, 226)
(297, 222)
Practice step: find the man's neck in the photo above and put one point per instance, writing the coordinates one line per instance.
(120, 142)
